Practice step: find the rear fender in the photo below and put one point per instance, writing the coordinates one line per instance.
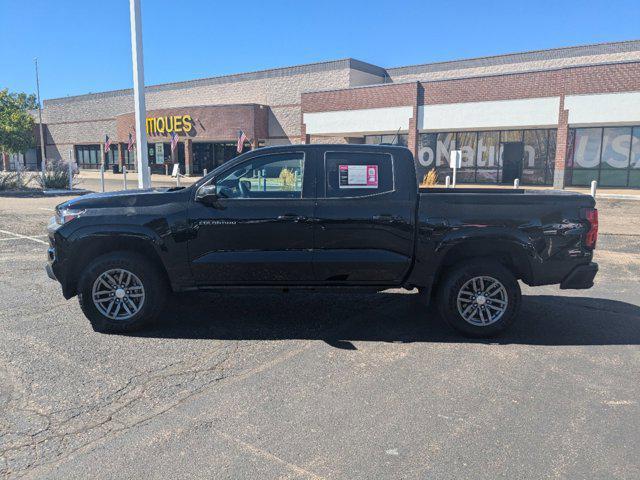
(516, 249)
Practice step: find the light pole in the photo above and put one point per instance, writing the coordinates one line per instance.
(144, 177)
(43, 163)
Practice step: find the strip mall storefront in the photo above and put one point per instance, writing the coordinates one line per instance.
(560, 117)
(207, 137)
(554, 128)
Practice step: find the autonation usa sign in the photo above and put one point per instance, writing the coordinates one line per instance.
(482, 156)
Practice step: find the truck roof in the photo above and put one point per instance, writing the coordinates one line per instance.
(325, 146)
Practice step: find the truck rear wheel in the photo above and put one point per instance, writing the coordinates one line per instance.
(479, 298)
(121, 292)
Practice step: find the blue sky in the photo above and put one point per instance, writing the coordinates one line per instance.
(84, 45)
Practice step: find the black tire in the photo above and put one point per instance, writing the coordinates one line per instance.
(456, 279)
(153, 281)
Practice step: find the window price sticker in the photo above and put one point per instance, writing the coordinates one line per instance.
(358, 176)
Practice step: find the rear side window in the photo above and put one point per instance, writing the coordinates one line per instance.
(357, 174)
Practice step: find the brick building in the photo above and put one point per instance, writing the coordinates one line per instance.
(554, 117)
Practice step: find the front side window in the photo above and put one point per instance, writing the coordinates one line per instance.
(358, 174)
(268, 176)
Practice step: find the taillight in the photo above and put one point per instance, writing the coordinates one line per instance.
(591, 215)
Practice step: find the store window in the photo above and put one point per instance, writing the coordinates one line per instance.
(88, 156)
(482, 155)
(609, 155)
(634, 164)
(111, 158)
(401, 139)
(487, 157)
(536, 147)
(129, 157)
(467, 144)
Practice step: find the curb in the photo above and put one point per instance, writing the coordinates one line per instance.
(42, 193)
(61, 193)
(617, 196)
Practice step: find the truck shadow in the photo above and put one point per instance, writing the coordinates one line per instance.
(340, 320)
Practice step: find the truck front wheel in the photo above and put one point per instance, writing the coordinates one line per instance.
(479, 298)
(120, 292)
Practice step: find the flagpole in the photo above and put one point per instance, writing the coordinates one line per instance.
(43, 162)
(144, 176)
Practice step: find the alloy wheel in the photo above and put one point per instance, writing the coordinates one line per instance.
(118, 294)
(482, 301)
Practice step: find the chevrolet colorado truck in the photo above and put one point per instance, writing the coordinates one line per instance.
(323, 217)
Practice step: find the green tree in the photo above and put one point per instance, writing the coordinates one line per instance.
(16, 123)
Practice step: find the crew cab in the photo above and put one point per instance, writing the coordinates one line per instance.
(324, 217)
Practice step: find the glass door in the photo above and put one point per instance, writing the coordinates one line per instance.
(202, 157)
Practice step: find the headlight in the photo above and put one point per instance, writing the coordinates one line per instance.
(65, 215)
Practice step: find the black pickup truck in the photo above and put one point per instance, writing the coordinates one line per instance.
(323, 217)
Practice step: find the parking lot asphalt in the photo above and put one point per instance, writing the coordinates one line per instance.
(289, 386)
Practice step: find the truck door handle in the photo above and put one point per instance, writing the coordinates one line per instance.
(384, 218)
(434, 223)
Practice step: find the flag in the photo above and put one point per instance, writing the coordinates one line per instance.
(174, 141)
(107, 144)
(131, 143)
(241, 139)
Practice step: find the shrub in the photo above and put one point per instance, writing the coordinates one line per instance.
(287, 179)
(56, 176)
(430, 178)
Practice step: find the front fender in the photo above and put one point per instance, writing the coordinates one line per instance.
(111, 231)
(80, 246)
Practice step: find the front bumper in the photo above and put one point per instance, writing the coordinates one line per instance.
(581, 277)
(50, 273)
(51, 257)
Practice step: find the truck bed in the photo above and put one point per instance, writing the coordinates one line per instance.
(500, 191)
(508, 199)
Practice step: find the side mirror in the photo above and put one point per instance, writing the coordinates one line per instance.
(207, 195)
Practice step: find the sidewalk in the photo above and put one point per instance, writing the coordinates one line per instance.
(133, 177)
(602, 192)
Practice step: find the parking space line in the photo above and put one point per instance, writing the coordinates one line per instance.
(261, 453)
(18, 236)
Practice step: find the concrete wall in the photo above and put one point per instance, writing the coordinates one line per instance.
(359, 78)
(601, 84)
(388, 119)
(521, 113)
(88, 118)
(520, 62)
(603, 109)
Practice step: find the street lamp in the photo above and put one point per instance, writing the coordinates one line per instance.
(144, 176)
(43, 162)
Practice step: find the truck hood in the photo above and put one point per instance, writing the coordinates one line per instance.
(121, 198)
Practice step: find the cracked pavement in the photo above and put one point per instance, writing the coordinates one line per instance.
(319, 386)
